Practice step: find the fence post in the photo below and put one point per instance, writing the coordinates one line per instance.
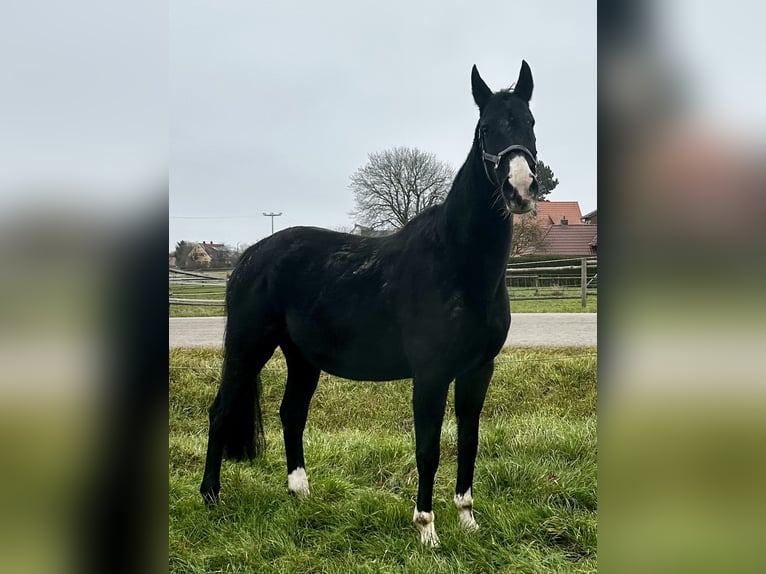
(584, 281)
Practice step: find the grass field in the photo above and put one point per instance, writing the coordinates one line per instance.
(554, 305)
(535, 485)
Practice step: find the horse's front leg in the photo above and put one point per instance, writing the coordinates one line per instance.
(470, 390)
(429, 399)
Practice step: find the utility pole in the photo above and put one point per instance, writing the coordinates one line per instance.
(272, 215)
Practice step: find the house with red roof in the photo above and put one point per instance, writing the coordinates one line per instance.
(554, 213)
(565, 231)
(567, 239)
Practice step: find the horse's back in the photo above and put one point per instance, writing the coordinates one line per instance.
(300, 261)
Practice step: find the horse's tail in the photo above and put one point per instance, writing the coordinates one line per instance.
(236, 410)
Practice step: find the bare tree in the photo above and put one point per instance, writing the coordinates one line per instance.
(527, 236)
(397, 184)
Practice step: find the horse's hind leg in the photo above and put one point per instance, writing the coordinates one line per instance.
(236, 428)
(302, 378)
(470, 390)
(429, 399)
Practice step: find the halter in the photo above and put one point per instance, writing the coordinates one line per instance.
(496, 159)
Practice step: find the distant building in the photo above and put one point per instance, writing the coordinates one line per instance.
(370, 232)
(590, 218)
(565, 230)
(214, 250)
(210, 254)
(554, 213)
(569, 240)
(198, 256)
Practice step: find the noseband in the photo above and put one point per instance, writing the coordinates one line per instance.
(496, 159)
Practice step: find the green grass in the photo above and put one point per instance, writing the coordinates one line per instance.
(554, 305)
(535, 485)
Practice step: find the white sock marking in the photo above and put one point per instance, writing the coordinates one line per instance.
(464, 505)
(425, 524)
(298, 482)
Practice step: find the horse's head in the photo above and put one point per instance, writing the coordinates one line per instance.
(506, 139)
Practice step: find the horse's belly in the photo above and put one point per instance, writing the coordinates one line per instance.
(352, 353)
(361, 363)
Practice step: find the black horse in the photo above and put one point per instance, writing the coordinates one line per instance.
(428, 302)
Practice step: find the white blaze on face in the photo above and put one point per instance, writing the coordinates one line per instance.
(520, 177)
(298, 482)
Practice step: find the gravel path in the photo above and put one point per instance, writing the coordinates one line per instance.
(527, 330)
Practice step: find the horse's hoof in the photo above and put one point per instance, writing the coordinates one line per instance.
(299, 493)
(467, 520)
(298, 483)
(424, 521)
(210, 496)
(464, 505)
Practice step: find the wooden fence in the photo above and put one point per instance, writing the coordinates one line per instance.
(572, 278)
(185, 279)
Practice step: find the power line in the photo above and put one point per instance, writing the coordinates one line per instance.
(213, 216)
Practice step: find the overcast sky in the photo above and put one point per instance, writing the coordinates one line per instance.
(274, 105)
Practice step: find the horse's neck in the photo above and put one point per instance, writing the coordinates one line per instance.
(478, 229)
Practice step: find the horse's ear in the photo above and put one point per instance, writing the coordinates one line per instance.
(481, 92)
(524, 84)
